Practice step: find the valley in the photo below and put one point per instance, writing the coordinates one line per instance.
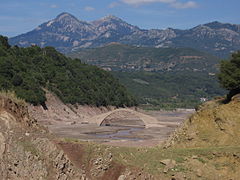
(122, 127)
(160, 78)
(107, 100)
(170, 90)
(191, 151)
(149, 60)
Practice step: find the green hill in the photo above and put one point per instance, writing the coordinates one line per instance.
(170, 89)
(119, 57)
(27, 71)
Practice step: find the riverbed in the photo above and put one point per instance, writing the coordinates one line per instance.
(126, 133)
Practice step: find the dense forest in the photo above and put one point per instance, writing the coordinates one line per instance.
(27, 71)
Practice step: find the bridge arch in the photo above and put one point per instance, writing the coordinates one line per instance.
(123, 118)
(146, 119)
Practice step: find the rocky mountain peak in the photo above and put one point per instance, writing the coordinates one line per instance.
(108, 19)
(68, 19)
(214, 24)
(110, 23)
(65, 15)
(112, 18)
(201, 27)
(67, 23)
(218, 25)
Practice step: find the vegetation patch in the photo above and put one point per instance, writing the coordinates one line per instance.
(28, 146)
(11, 95)
(189, 162)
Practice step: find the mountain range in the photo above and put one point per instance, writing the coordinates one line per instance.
(67, 33)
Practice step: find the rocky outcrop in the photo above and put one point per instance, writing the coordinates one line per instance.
(26, 149)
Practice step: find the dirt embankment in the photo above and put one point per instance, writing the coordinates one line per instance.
(58, 113)
(214, 124)
(26, 149)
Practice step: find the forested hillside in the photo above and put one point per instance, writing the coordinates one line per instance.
(27, 71)
(169, 90)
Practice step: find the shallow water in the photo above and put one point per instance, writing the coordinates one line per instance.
(125, 133)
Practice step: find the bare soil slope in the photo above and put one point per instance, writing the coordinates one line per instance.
(26, 149)
(214, 124)
(58, 113)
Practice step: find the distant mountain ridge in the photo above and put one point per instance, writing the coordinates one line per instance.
(67, 33)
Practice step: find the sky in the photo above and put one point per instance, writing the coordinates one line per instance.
(20, 16)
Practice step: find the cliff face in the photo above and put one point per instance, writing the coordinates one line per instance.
(26, 149)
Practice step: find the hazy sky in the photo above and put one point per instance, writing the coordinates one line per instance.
(20, 16)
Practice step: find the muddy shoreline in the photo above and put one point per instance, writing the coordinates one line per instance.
(125, 133)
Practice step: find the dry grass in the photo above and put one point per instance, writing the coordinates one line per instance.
(213, 162)
(215, 124)
(11, 95)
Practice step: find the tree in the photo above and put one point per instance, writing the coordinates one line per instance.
(4, 42)
(229, 76)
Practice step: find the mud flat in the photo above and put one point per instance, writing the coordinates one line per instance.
(108, 125)
(121, 128)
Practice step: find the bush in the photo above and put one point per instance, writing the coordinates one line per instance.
(229, 76)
